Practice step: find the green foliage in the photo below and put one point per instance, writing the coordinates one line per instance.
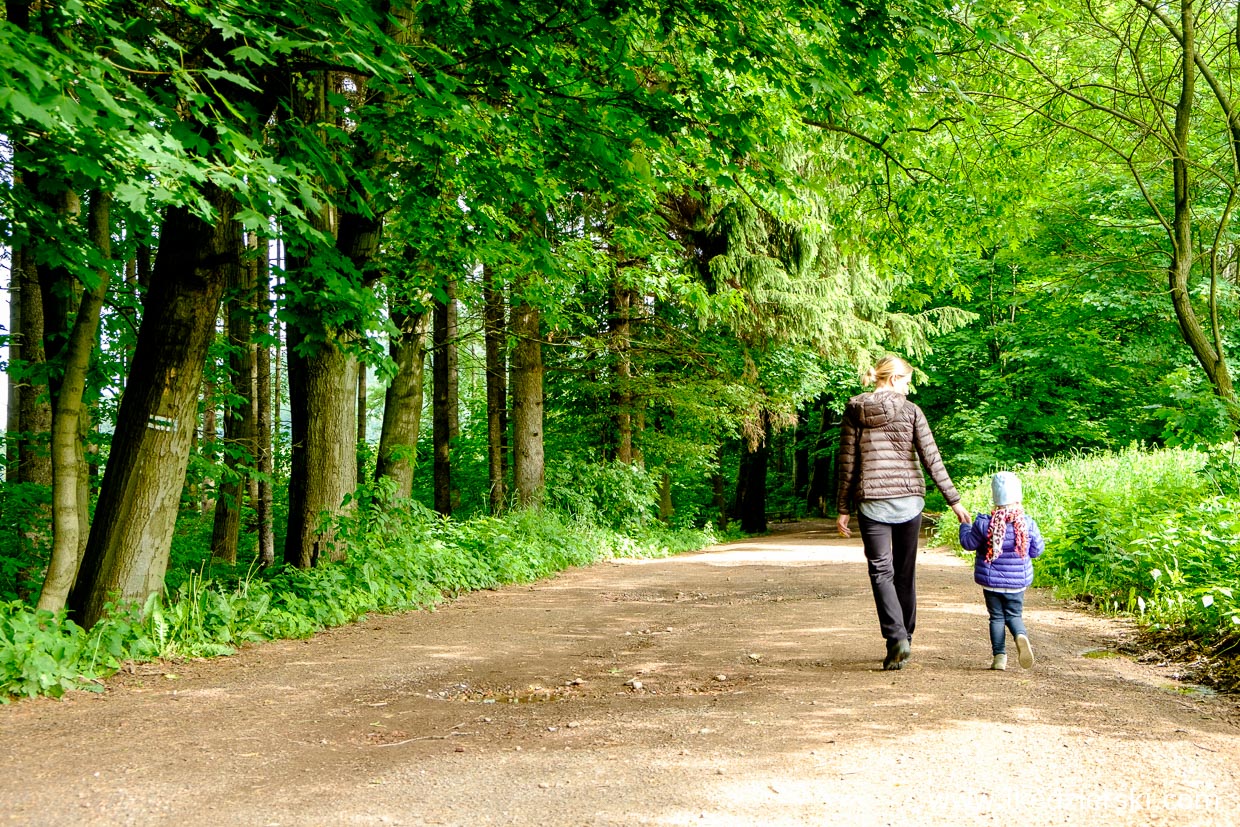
(42, 653)
(1151, 533)
(402, 557)
(25, 539)
(618, 495)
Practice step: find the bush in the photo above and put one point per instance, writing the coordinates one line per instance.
(1151, 533)
(401, 556)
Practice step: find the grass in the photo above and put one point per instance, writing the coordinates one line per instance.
(1154, 534)
(401, 557)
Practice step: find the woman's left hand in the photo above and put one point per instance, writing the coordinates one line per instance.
(961, 514)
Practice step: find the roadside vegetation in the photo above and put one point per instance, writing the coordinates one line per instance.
(1149, 534)
(402, 557)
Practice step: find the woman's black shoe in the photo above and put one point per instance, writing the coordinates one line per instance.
(897, 653)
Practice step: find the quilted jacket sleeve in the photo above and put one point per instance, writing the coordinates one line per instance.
(848, 462)
(1037, 545)
(931, 460)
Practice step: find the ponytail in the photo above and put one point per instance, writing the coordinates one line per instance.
(885, 369)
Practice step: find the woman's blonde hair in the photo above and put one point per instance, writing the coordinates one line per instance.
(886, 369)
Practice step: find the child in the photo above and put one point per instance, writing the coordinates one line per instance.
(1006, 540)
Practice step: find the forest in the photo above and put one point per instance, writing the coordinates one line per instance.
(322, 309)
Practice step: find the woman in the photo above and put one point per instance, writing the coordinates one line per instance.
(882, 438)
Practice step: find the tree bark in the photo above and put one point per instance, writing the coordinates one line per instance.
(527, 406)
(622, 392)
(69, 518)
(127, 553)
(495, 334)
(402, 404)
(238, 411)
(322, 381)
(263, 413)
(206, 444)
(255, 305)
(59, 286)
(665, 498)
(13, 420)
(451, 347)
(441, 409)
(33, 396)
(452, 351)
(361, 423)
(1212, 360)
(323, 378)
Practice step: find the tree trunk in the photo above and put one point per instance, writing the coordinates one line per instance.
(33, 397)
(69, 522)
(255, 305)
(1211, 358)
(13, 423)
(527, 406)
(263, 415)
(127, 553)
(323, 377)
(751, 486)
(800, 457)
(206, 444)
(238, 412)
(495, 333)
(622, 392)
(361, 423)
(665, 498)
(60, 288)
(441, 365)
(820, 496)
(451, 349)
(322, 394)
(402, 404)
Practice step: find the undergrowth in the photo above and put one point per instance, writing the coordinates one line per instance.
(401, 557)
(1153, 534)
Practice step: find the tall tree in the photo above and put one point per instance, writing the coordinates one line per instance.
(442, 365)
(239, 447)
(495, 336)
(402, 406)
(127, 552)
(265, 404)
(1146, 85)
(528, 462)
(70, 519)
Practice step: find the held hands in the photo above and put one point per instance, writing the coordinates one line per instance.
(841, 522)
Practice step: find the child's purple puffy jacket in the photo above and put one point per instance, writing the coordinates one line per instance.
(1007, 571)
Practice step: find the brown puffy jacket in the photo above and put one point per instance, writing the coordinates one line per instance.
(881, 439)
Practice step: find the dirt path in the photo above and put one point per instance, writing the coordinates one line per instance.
(760, 702)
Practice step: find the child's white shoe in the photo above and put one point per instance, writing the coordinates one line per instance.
(1025, 651)
(999, 664)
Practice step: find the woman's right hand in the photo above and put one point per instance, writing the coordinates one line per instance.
(962, 515)
(841, 522)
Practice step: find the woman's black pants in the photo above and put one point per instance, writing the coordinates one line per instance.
(891, 557)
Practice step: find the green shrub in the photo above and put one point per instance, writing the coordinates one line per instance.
(401, 556)
(1154, 533)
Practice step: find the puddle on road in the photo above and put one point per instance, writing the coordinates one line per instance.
(1101, 654)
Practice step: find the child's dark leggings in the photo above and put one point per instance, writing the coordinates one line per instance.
(891, 557)
(1005, 610)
